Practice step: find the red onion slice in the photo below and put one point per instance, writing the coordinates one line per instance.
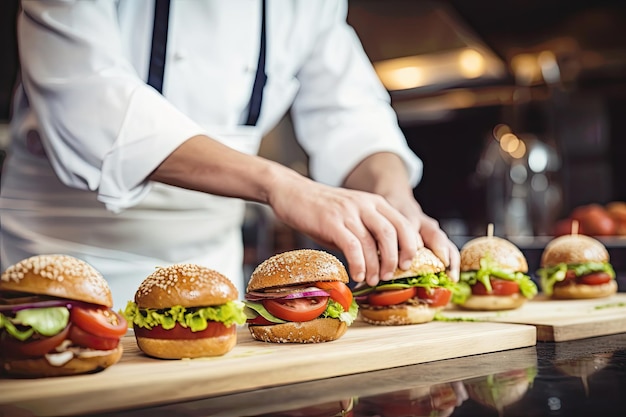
(288, 294)
(45, 304)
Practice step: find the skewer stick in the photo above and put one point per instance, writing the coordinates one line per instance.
(574, 227)
(490, 230)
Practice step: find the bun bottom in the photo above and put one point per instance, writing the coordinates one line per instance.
(187, 348)
(582, 291)
(493, 302)
(314, 331)
(40, 367)
(398, 315)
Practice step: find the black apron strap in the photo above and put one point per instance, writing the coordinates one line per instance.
(254, 108)
(159, 44)
(159, 47)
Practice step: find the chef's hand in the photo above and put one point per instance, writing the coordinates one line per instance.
(363, 226)
(385, 174)
(429, 232)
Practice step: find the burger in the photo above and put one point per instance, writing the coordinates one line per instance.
(299, 296)
(498, 391)
(185, 311)
(493, 275)
(413, 296)
(576, 266)
(438, 400)
(56, 318)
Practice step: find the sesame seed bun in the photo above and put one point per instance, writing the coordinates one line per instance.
(577, 249)
(60, 276)
(314, 331)
(188, 348)
(40, 367)
(503, 252)
(297, 267)
(395, 315)
(573, 249)
(293, 268)
(424, 262)
(493, 302)
(582, 291)
(187, 285)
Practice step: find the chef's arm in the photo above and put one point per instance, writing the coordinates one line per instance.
(361, 225)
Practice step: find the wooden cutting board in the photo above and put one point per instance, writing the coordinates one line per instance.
(139, 381)
(559, 320)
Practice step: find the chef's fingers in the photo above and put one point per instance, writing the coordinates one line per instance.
(360, 249)
(401, 243)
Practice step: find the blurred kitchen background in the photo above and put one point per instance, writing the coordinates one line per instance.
(517, 108)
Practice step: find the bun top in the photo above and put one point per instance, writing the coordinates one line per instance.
(501, 251)
(573, 249)
(60, 276)
(187, 285)
(297, 267)
(424, 262)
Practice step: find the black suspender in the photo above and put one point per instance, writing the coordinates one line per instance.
(159, 44)
(159, 47)
(254, 108)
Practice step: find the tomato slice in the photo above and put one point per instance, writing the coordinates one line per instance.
(498, 287)
(102, 322)
(390, 297)
(595, 278)
(82, 338)
(436, 296)
(297, 309)
(33, 347)
(338, 291)
(178, 332)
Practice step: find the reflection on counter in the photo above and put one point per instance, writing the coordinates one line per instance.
(578, 378)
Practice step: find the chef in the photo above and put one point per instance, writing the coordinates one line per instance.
(136, 125)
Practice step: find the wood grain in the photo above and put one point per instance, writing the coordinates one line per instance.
(140, 381)
(559, 320)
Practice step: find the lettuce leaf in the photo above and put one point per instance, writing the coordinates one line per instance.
(193, 318)
(45, 321)
(550, 276)
(335, 310)
(430, 280)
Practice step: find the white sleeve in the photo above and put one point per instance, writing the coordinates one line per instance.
(102, 127)
(342, 113)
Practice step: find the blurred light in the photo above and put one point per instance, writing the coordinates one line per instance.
(500, 130)
(526, 68)
(519, 151)
(509, 142)
(518, 174)
(471, 63)
(403, 78)
(549, 67)
(554, 403)
(538, 159)
(539, 182)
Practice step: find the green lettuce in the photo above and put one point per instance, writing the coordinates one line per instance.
(45, 321)
(489, 268)
(193, 318)
(550, 276)
(428, 281)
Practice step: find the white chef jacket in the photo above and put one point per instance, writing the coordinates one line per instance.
(87, 130)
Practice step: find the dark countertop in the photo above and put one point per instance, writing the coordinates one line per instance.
(579, 378)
